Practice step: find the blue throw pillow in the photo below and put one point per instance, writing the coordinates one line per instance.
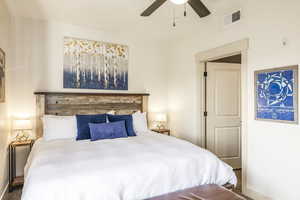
(83, 129)
(108, 130)
(128, 122)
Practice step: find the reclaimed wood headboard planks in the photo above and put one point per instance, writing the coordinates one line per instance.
(67, 104)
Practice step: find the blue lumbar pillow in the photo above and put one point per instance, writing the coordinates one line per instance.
(108, 130)
(128, 122)
(83, 129)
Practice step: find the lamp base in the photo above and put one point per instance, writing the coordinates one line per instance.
(22, 136)
(160, 126)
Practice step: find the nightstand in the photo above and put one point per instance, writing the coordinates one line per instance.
(15, 181)
(162, 131)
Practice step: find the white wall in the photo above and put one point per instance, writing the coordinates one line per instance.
(39, 63)
(4, 44)
(273, 148)
(38, 66)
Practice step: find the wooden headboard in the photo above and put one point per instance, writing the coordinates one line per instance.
(67, 104)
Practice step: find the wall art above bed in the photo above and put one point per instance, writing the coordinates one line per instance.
(276, 95)
(95, 65)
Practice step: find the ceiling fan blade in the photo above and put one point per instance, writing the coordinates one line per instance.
(153, 7)
(199, 8)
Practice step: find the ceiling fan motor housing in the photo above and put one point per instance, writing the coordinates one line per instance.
(197, 6)
(179, 2)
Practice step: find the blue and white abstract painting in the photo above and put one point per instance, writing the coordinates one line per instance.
(276, 94)
(95, 65)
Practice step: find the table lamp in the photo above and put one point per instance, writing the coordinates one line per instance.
(21, 127)
(160, 119)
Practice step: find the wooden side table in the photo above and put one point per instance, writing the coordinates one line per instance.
(162, 131)
(16, 181)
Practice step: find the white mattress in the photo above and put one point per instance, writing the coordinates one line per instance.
(121, 169)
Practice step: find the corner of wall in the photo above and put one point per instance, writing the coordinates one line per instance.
(5, 25)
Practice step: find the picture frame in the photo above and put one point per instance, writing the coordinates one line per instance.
(276, 94)
(99, 65)
(2, 75)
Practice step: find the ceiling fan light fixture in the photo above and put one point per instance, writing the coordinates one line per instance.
(179, 2)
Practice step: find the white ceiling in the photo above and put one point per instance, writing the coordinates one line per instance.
(112, 15)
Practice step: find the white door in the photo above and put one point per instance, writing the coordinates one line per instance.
(224, 112)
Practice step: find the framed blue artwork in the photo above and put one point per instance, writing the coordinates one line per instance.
(95, 65)
(276, 95)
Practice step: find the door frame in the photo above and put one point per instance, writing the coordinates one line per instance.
(234, 48)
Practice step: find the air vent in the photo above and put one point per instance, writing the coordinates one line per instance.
(232, 18)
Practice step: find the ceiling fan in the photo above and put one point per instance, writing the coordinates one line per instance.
(197, 5)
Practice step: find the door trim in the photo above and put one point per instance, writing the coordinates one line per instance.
(238, 47)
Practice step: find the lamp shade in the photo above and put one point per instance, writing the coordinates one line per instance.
(161, 117)
(21, 124)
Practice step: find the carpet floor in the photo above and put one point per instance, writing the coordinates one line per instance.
(15, 195)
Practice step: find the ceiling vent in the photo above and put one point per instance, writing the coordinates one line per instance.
(232, 18)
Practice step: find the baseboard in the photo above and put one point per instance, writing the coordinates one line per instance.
(4, 192)
(255, 195)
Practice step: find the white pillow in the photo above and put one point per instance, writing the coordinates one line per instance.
(140, 122)
(59, 127)
(112, 112)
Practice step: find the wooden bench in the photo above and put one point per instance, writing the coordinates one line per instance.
(205, 192)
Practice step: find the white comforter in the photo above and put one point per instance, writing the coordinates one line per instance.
(121, 169)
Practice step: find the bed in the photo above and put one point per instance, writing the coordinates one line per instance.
(133, 168)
